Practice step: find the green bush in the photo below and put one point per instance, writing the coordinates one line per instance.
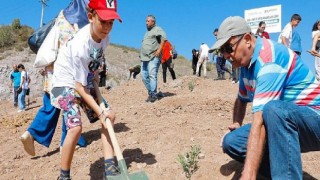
(189, 161)
(6, 36)
(16, 24)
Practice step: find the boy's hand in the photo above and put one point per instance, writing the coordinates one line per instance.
(107, 114)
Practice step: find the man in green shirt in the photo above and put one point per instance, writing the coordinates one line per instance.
(150, 55)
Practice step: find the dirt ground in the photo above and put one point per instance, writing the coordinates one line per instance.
(151, 135)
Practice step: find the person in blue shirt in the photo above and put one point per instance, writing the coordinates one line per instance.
(296, 42)
(15, 77)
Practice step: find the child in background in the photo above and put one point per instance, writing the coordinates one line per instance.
(76, 68)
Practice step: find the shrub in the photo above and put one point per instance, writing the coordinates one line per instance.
(6, 36)
(189, 161)
(16, 24)
(191, 85)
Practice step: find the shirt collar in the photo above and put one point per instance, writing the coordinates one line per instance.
(256, 51)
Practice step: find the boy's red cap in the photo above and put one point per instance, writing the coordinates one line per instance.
(106, 9)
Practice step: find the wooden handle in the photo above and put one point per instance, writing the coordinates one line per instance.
(112, 135)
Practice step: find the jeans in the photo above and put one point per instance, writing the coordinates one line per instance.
(291, 129)
(21, 99)
(15, 95)
(44, 124)
(149, 73)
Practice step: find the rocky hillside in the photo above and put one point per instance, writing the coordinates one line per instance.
(119, 59)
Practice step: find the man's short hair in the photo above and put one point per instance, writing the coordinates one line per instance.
(296, 17)
(152, 17)
(215, 30)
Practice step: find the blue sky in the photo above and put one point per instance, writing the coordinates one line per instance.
(187, 23)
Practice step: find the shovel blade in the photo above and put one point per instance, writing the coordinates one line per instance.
(132, 176)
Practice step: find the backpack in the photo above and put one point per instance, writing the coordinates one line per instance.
(174, 53)
(166, 51)
(37, 37)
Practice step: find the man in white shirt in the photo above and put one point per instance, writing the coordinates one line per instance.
(285, 36)
(203, 58)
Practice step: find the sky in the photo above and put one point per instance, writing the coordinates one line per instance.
(187, 23)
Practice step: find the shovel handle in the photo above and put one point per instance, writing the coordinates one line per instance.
(112, 135)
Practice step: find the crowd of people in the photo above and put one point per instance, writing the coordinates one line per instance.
(283, 91)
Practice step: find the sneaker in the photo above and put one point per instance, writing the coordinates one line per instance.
(153, 99)
(28, 143)
(21, 110)
(148, 99)
(63, 178)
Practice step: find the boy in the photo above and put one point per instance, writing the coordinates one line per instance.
(75, 70)
(285, 36)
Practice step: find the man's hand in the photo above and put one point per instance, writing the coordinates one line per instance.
(107, 114)
(157, 53)
(233, 126)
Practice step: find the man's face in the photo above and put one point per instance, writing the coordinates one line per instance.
(238, 50)
(149, 22)
(215, 34)
(15, 67)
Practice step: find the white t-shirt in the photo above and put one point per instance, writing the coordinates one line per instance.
(314, 33)
(204, 50)
(287, 33)
(24, 75)
(74, 57)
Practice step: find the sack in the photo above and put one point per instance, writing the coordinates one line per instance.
(48, 50)
(19, 90)
(28, 91)
(37, 37)
(174, 53)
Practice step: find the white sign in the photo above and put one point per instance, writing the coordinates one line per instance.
(271, 15)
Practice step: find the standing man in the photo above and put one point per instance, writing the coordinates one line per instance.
(195, 58)
(150, 55)
(285, 36)
(285, 104)
(203, 58)
(15, 77)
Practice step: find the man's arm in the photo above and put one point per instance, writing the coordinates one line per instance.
(316, 38)
(159, 50)
(239, 111)
(284, 41)
(255, 147)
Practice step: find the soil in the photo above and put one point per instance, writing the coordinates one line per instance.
(151, 135)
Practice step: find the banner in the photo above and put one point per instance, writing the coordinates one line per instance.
(271, 15)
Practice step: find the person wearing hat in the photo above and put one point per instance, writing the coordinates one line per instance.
(285, 104)
(75, 71)
(150, 56)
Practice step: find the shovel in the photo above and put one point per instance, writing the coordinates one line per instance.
(124, 175)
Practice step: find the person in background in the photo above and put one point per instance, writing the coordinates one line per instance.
(296, 42)
(15, 77)
(203, 58)
(135, 70)
(261, 30)
(285, 104)
(103, 74)
(44, 124)
(150, 55)
(195, 58)
(166, 61)
(24, 85)
(316, 47)
(285, 36)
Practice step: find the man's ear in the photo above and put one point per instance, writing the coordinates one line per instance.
(248, 39)
(90, 17)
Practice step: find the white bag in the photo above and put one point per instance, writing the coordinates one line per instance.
(48, 51)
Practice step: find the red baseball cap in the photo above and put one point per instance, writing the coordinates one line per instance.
(106, 9)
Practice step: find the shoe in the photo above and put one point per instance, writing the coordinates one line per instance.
(148, 99)
(21, 110)
(233, 82)
(63, 178)
(28, 143)
(153, 99)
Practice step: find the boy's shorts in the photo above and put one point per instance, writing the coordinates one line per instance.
(69, 101)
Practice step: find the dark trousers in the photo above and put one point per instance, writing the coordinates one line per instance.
(235, 74)
(194, 67)
(168, 65)
(15, 96)
(102, 82)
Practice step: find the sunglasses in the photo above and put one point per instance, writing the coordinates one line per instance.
(228, 48)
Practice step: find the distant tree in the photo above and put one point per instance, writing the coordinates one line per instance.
(16, 24)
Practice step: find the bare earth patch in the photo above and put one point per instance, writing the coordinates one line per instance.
(151, 135)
